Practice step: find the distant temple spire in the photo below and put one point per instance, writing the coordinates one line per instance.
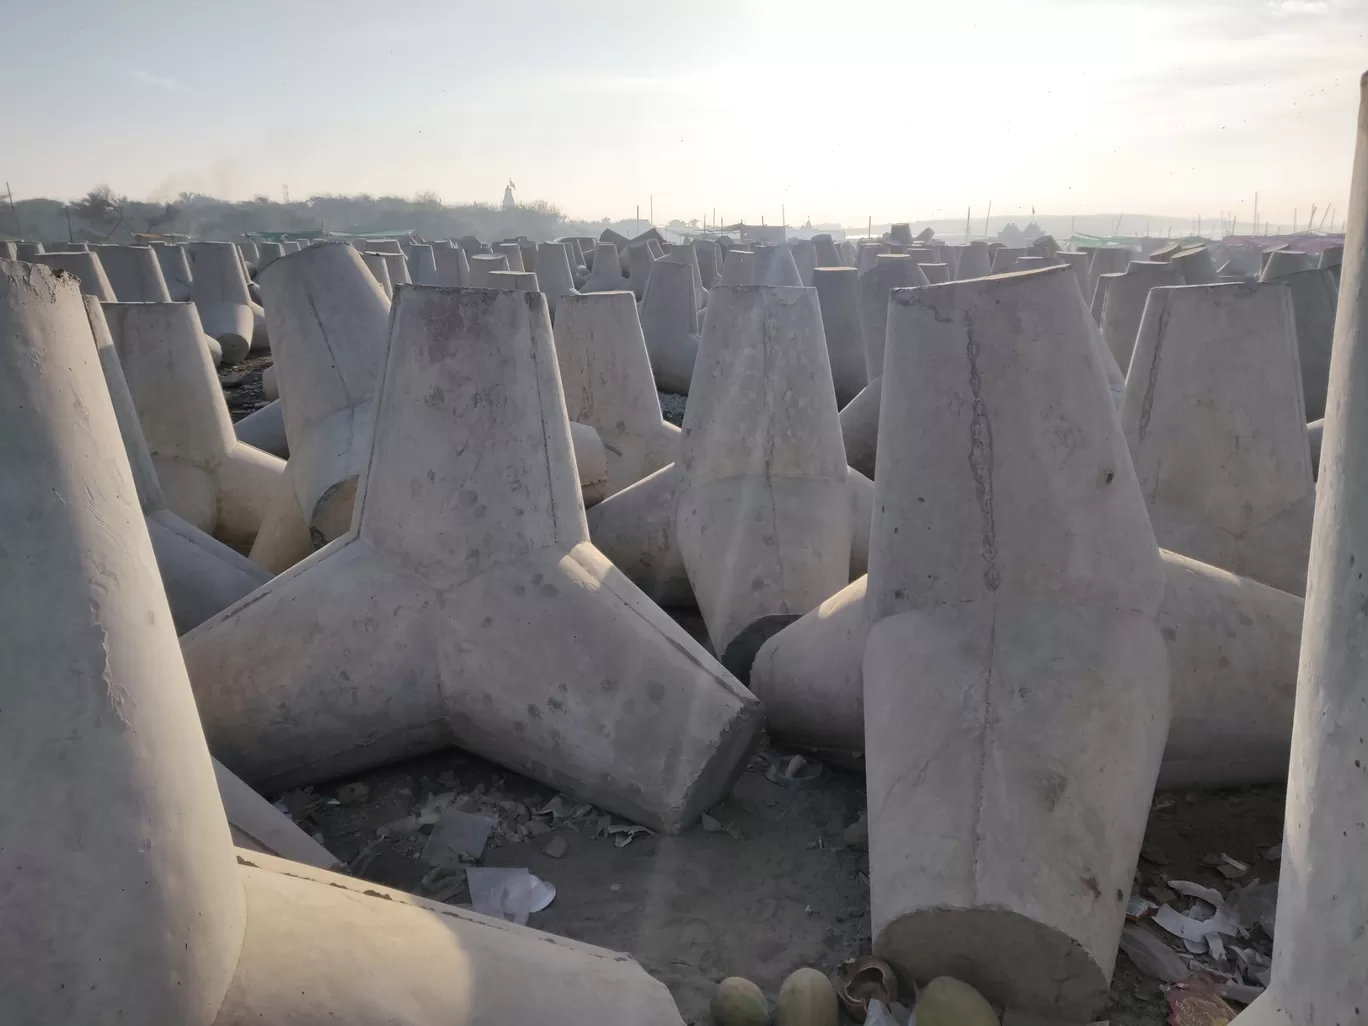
(508, 201)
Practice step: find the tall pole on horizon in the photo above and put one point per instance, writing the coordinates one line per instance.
(987, 219)
(1256, 213)
(968, 213)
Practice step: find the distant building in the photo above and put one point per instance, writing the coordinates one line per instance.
(770, 235)
(508, 201)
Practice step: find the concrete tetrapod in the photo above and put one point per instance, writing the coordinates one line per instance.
(1320, 974)
(609, 385)
(422, 264)
(763, 519)
(890, 271)
(264, 429)
(860, 427)
(87, 269)
(378, 267)
(134, 274)
(860, 417)
(329, 319)
(520, 281)
(1285, 261)
(1116, 381)
(805, 259)
(936, 274)
(453, 268)
(267, 252)
(284, 538)
(201, 576)
(398, 269)
(1124, 303)
(739, 268)
(774, 265)
(824, 248)
(554, 274)
(219, 292)
(1079, 263)
(637, 530)
(605, 274)
(141, 912)
(1016, 685)
(27, 251)
(1106, 260)
(1232, 650)
(208, 477)
(838, 293)
(709, 261)
(669, 320)
(470, 536)
(513, 252)
(975, 261)
(137, 914)
(1214, 420)
(637, 261)
(685, 254)
(257, 825)
(868, 254)
(1005, 258)
(1314, 297)
(175, 267)
(1195, 265)
(482, 265)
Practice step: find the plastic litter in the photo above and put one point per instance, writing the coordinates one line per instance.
(1152, 956)
(1194, 1002)
(457, 833)
(508, 894)
(879, 1015)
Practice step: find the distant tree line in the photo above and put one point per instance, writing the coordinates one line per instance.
(102, 215)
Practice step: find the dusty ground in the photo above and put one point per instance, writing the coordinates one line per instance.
(242, 386)
(768, 887)
(773, 889)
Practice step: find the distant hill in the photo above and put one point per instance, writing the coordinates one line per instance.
(102, 216)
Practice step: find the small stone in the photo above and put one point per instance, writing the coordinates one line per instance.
(1163, 895)
(354, 794)
(857, 835)
(946, 1001)
(711, 825)
(557, 848)
(738, 1002)
(1152, 854)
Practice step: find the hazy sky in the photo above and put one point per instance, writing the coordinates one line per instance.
(836, 110)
